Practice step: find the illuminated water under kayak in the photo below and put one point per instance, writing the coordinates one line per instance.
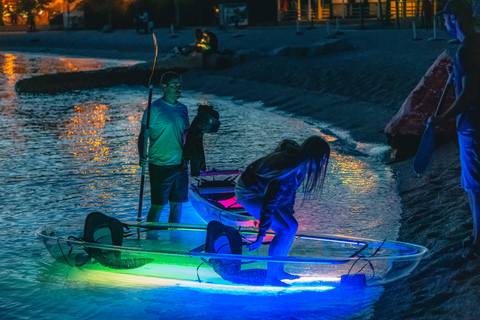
(321, 261)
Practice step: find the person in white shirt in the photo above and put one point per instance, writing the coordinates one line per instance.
(168, 172)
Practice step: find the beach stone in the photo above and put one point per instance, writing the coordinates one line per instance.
(289, 51)
(249, 54)
(329, 47)
(107, 29)
(318, 49)
(220, 60)
(405, 130)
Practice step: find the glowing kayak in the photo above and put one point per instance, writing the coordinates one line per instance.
(212, 196)
(321, 261)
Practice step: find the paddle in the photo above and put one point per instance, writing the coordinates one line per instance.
(147, 133)
(427, 143)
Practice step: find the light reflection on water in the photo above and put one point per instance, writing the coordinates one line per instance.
(67, 155)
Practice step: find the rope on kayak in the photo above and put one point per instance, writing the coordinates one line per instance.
(198, 276)
(371, 266)
(361, 256)
(60, 247)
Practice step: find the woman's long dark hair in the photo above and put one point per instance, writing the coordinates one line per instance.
(316, 152)
(311, 156)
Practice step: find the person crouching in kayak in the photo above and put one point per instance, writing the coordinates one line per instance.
(267, 190)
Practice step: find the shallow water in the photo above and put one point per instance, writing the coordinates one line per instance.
(65, 156)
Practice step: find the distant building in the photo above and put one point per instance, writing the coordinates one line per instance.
(306, 10)
(227, 13)
(59, 12)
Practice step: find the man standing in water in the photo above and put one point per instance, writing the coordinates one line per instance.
(460, 24)
(168, 173)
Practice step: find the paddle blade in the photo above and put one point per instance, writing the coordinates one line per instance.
(424, 151)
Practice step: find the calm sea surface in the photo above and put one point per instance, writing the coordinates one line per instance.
(64, 156)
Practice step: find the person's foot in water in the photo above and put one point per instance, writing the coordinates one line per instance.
(275, 283)
(468, 241)
(287, 276)
(471, 253)
(152, 235)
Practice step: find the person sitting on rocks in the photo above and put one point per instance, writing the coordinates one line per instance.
(204, 40)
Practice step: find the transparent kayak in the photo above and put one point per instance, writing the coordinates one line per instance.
(212, 195)
(319, 261)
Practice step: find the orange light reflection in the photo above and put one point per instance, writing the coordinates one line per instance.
(8, 68)
(85, 130)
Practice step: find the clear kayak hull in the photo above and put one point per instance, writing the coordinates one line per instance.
(176, 254)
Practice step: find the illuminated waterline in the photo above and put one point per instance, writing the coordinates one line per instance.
(135, 281)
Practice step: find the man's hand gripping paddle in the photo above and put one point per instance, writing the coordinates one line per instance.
(147, 133)
(427, 143)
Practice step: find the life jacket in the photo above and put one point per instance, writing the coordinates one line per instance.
(206, 121)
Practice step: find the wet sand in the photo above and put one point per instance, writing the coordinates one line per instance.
(358, 90)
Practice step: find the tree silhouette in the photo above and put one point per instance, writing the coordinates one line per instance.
(31, 8)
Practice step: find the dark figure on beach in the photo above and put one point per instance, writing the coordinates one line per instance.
(267, 190)
(284, 7)
(13, 17)
(427, 14)
(206, 43)
(204, 40)
(210, 43)
(168, 126)
(31, 22)
(142, 22)
(466, 108)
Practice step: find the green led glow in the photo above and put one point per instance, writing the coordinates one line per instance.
(212, 284)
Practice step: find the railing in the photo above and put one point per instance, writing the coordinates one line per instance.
(406, 8)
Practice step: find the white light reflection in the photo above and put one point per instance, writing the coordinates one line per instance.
(135, 281)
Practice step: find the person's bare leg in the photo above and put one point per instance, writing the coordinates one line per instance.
(474, 201)
(154, 216)
(293, 227)
(285, 229)
(175, 212)
(154, 213)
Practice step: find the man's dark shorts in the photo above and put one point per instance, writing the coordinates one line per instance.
(168, 183)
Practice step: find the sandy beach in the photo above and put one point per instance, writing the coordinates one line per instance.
(358, 90)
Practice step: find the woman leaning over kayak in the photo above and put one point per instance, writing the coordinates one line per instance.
(267, 190)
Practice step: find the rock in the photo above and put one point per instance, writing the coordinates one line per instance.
(318, 49)
(73, 81)
(289, 51)
(107, 29)
(250, 54)
(405, 129)
(221, 60)
(330, 47)
(138, 74)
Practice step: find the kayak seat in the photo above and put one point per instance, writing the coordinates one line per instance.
(224, 240)
(103, 229)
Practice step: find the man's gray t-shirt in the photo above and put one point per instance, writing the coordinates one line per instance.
(467, 61)
(167, 126)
